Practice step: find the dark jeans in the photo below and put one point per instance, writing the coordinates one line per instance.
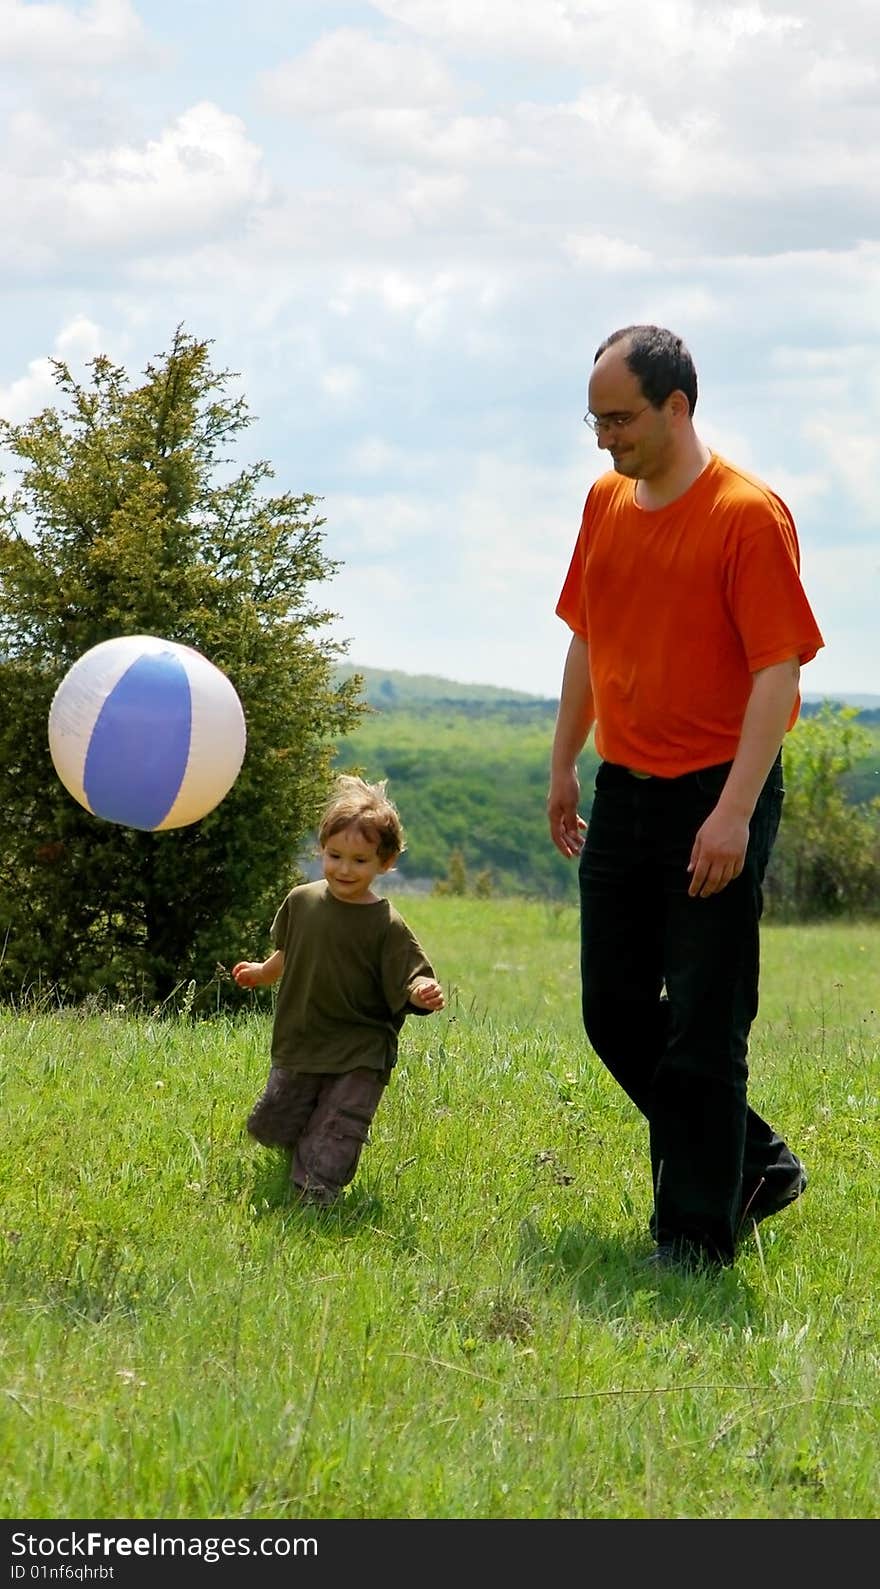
(323, 1120)
(670, 990)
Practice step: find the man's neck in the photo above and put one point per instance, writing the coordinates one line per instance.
(667, 487)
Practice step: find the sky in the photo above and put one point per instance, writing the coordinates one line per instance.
(406, 226)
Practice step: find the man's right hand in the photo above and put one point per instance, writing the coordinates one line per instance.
(566, 827)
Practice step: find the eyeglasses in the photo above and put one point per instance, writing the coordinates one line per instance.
(613, 422)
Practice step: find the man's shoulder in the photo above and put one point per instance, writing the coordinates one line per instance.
(610, 490)
(611, 484)
(738, 487)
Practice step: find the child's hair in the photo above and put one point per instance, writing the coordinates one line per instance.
(366, 806)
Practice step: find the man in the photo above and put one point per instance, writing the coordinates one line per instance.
(690, 625)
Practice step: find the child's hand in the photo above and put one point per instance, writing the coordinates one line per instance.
(248, 973)
(426, 994)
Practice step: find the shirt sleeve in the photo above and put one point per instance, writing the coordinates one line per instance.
(769, 605)
(280, 924)
(570, 606)
(403, 962)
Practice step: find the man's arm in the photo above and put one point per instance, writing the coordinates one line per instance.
(573, 723)
(719, 851)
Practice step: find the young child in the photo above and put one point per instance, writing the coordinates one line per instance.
(351, 971)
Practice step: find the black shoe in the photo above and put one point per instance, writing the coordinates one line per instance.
(766, 1201)
(684, 1257)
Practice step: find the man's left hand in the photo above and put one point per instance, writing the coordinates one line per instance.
(718, 855)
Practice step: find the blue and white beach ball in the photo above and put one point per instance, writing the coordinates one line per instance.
(146, 732)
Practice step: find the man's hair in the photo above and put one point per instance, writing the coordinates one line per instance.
(365, 806)
(659, 360)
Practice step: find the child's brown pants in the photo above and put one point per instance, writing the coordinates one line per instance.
(324, 1119)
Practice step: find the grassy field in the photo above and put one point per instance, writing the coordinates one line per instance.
(469, 1335)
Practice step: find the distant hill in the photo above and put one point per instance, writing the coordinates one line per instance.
(867, 706)
(870, 703)
(384, 687)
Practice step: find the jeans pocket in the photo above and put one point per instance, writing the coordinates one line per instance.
(711, 780)
(610, 776)
(764, 827)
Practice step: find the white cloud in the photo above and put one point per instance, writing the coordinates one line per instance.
(432, 304)
(678, 299)
(200, 176)
(200, 172)
(77, 342)
(31, 143)
(100, 34)
(518, 524)
(341, 381)
(348, 69)
(809, 361)
(852, 457)
(807, 493)
(595, 251)
(376, 527)
(839, 76)
(732, 104)
(687, 32)
(547, 31)
(843, 581)
(411, 136)
(29, 394)
(434, 198)
(373, 456)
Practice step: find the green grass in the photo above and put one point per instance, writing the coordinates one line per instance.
(469, 1333)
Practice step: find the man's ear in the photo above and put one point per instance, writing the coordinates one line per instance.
(679, 405)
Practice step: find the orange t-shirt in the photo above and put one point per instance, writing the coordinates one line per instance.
(679, 607)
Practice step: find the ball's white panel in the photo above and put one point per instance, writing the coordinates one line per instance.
(217, 742)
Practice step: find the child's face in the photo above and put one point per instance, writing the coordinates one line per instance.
(350, 864)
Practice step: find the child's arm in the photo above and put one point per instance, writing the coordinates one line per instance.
(426, 994)
(259, 973)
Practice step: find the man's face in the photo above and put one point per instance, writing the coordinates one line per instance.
(642, 442)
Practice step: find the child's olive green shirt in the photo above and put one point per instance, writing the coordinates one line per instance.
(345, 989)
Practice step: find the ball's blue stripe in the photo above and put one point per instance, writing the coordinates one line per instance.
(139, 748)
